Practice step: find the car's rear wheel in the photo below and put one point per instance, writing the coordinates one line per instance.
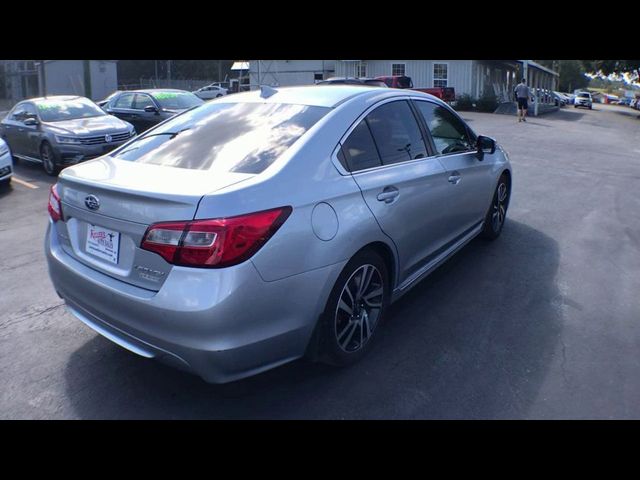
(355, 310)
(48, 158)
(497, 214)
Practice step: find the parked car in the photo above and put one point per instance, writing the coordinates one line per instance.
(210, 91)
(103, 102)
(448, 94)
(624, 101)
(146, 108)
(62, 130)
(271, 225)
(6, 163)
(559, 99)
(371, 82)
(583, 99)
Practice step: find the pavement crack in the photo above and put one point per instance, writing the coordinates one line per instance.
(27, 316)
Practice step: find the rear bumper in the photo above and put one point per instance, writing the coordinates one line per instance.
(221, 324)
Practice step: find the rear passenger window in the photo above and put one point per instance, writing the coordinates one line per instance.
(449, 133)
(360, 150)
(124, 101)
(396, 133)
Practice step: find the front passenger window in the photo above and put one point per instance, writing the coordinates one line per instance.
(448, 132)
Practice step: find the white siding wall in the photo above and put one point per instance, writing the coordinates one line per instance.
(64, 77)
(104, 78)
(420, 71)
(289, 72)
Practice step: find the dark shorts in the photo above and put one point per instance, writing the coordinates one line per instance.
(522, 104)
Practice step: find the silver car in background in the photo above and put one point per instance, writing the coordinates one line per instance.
(62, 130)
(6, 163)
(270, 225)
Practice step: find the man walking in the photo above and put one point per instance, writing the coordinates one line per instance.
(522, 96)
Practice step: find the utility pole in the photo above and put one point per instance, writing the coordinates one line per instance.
(169, 72)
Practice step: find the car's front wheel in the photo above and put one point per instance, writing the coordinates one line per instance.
(497, 214)
(355, 310)
(48, 157)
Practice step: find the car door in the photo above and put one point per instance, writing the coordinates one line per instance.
(403, 186)
(145, 120)
(122, 107)
(469, 180)
(31, 135)
(11, 127)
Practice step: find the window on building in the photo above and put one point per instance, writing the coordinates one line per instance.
(440, 75)
(317, 77)
(398, 69)
(361, 70)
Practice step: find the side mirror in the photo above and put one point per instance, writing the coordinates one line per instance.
(30, 121)
(485, 145)
(150, 109)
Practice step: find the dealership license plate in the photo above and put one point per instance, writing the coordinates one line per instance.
(103, 243)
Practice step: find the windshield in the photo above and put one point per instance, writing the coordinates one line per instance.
(59, 110)
(583, 95)
(229, 137)
(177, 100)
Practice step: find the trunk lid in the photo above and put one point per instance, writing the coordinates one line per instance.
(114, 201)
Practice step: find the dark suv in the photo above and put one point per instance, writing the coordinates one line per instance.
(62, 130)
(146, 108)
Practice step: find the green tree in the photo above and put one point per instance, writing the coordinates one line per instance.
(618, 67)
(571, 73)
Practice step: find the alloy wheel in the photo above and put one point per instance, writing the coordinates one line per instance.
(47, 159)
(499, 206)
(359, 307)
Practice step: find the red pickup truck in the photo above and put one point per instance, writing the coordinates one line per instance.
(448, 94)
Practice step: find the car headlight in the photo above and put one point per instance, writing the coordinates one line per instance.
(68, 140)
(4, 149)
(132, 132)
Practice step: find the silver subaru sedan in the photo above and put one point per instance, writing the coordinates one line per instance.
(271, 225)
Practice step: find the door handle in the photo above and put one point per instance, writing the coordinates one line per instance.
(455, 178)
(388, 195)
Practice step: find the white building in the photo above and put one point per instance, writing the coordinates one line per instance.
(471, 77)
(32, 78)
(285, 73)
(94, 79)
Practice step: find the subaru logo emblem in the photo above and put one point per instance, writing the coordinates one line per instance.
(92, 202)
(107, 138)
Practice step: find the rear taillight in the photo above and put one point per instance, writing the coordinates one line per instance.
(214, 243)
(55, 206)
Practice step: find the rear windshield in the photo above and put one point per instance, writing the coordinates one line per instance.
(59, 110)
(231, 137)
(177, 100)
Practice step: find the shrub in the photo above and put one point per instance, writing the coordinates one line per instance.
(464, 102)
(488, 102)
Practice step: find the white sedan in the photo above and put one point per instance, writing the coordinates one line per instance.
(6, 163)
(210, 91)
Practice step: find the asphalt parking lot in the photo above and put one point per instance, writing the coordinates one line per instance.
(542, 323)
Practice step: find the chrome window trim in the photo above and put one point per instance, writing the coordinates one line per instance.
(344, 172)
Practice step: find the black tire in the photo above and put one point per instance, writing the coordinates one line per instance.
(497, 213)
(49, 160)
(343, 338)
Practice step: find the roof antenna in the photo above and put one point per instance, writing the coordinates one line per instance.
(266, 91)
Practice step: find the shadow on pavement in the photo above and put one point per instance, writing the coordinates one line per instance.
(568, 114)
(5, 188)
(474, 340)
